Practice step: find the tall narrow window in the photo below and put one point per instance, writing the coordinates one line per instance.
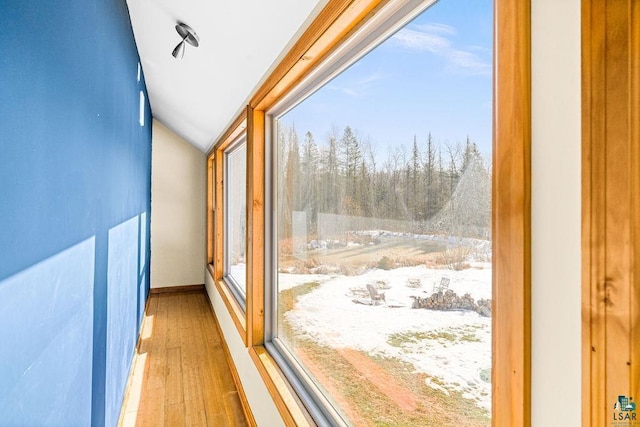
(381, 193)
(235, 217)
(211, 208)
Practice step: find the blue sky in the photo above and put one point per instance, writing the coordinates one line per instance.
(434, 76)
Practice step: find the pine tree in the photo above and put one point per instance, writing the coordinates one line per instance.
(443, 192)
(351, 158)
(417, 196)
(471, 154)
(332, 173)
(291, 191)
(429, 169)
(309, 176)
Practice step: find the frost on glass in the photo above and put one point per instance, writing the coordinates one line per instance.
(383, 214)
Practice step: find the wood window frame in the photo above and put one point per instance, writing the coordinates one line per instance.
(511, 215)
(215, 222)
(610, 206)
(210, 210)
(511, 201)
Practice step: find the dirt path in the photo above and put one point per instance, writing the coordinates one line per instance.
(381, 379)
(349, 371)
(331, 388)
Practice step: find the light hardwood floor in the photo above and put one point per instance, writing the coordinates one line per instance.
(180, 375)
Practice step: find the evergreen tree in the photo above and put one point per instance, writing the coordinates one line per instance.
(437, 192)
(431, 203)
(351, 158)
(291, 193)
(309, 175)
(417, 196)
(471, 154)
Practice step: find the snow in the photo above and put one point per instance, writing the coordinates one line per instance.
(239, 273)
(452, 347)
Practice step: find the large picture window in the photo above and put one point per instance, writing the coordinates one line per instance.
(235, 216)
(382, 257)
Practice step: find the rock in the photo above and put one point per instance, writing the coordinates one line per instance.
(449, 300)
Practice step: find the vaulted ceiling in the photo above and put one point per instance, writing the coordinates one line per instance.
(240, 42)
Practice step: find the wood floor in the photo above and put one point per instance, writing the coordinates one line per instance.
(180, 375)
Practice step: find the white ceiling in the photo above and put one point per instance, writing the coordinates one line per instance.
(240, 42)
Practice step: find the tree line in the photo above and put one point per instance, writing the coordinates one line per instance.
(433, 187)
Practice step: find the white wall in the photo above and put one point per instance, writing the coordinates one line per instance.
(178, 210)
(556, 219)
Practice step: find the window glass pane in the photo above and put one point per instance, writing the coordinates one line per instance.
(236, 216)
(211, 224)
(383, 212)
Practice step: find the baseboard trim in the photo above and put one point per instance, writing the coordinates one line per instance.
(172, 289)
(232, 367)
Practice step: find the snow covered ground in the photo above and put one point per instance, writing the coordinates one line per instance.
(452, 347)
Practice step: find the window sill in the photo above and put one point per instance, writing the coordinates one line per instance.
(287, 402)
(289, 405)
(234, 308)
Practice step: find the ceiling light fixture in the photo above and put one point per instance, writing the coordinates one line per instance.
(188, 35)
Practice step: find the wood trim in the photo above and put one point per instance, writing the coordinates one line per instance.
(611, 207)
(326, 33)
(215, 230)
(590, 265)
(233, 307)
(255, 225)
(237, 126)
(511, 225)
(633, 364)
(232, 367)
(210, 210)
(216, 270)
(287, 401)
(218, 244)
(172, 289)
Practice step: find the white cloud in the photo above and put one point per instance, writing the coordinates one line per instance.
(346, 90)
(367, 81)
(483, 49)
(434, 27)
(420, 40)
(469, 61)
(433, 38)
(360, 87)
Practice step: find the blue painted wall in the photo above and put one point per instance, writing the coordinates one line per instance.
(75, 188)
